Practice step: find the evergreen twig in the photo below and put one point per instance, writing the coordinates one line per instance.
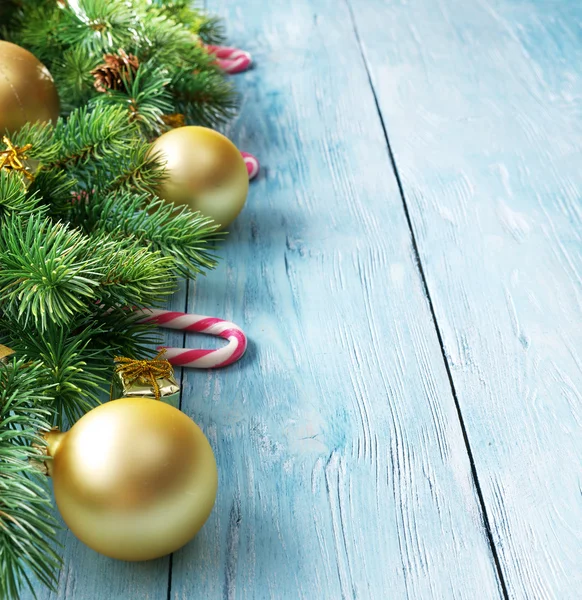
(27, 525)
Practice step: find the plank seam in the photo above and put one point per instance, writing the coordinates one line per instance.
(416, 251)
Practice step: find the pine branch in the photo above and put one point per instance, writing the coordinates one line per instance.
(121, 333)
(170, 43)
(14, 196)
(36, 27)
(73, 78)
(179, 233)
(76, 373)
(47, 272)
(145, 99)
(56, 188)
(210, 29)
(50, 274)
(176, 232)
(27, 525)
(45, 147)
(98, 25)
(88, 137)
(139, 171)
(204, 98)
(133, 275)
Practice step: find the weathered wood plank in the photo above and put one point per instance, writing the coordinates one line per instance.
(87, 575)
(343, 472)
(483, 105)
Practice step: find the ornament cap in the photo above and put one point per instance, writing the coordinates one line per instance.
(54, 438)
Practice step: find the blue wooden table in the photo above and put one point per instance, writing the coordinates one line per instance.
(407, 423)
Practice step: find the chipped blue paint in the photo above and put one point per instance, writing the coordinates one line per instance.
(483, 105)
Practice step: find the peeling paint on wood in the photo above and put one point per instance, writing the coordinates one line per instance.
(483, 104)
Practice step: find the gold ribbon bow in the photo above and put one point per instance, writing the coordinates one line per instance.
(145, 370)
(13, 158)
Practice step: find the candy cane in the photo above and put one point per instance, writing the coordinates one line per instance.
(199, 359)
(230, 60)
(252, 164)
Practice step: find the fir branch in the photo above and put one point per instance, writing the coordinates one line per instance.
(139, 171)
(27, 525)
(98, 26)
(90, 136)
(45, 147)
(121, 333)
(176, 232)
(145, 99)
(134, 276)
(8, 15)
(39, 29)
(14, 196)
(55, 186)
(171, 44)
(72, 74)
(46, 271)
(76, 372)
(204, 98)
(210, 29)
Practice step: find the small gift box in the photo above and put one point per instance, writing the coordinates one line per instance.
(146, 378)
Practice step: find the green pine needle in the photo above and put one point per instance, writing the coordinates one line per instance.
(27, 525)
(98, 26)
(87, 137)
(47, 273)
(14, 197)
(145, 99)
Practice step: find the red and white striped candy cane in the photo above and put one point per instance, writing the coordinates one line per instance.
(231, 60)
(199, 359)
(252, 164)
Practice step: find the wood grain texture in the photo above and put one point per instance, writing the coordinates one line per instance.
(343, 472)
(483, 103)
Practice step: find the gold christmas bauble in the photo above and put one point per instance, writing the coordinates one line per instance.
(27, 90)
(205, 171)
(134, 479)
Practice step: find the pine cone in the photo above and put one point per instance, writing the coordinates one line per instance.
(116, 68)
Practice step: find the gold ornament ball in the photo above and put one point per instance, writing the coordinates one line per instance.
(27, 90)
(134, 479)
(205, 171)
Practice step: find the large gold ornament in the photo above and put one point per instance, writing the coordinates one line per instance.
(27, 90)
(134, 479)
(205, 171)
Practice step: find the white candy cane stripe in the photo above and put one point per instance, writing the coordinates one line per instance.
(252, 164)
(199, 358)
